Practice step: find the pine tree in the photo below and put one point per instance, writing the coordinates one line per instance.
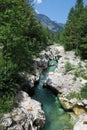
(71, 31)
(79, 5)
(71, 14)
(83, 33)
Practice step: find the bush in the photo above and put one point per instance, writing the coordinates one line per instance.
(6, 104)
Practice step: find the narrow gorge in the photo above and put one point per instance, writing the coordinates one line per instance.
(56, 117)
(67, 80)
(59, 88)
(43, 65)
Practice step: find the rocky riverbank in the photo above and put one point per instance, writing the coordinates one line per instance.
(26, 115)
(69, 79)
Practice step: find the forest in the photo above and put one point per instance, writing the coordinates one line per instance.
(22, 37)
(74, 35)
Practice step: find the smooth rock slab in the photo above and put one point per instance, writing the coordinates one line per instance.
(81, 124)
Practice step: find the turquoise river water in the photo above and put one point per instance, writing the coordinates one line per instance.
(56, 117)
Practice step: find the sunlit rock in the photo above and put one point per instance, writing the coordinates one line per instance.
(81, 123)
(79, 110)
(26, 115)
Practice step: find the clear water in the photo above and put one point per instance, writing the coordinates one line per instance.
(56, 117)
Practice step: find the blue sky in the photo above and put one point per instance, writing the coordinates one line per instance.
(57, 10)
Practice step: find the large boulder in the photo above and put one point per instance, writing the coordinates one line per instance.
(26, 115)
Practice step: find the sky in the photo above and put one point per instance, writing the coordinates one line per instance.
(56, 10)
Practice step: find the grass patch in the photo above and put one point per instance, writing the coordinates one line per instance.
(68, 67)
(74, 95)
(81, 95)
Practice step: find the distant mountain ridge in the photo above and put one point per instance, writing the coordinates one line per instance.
(47, 22)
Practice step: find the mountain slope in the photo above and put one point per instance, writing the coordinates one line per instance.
(47, 22)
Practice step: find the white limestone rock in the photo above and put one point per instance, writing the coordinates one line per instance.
(42, 62)
(64, 81)
(81, 123)
(27, 115)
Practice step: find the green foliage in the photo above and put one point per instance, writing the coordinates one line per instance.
(1, 127)
(58, 37)
(74, 95)
(85, 77)
(84, 92)
(77, 73)
(22, 37)
(80, 71)
(68, 67)
(79, 5)
(81, 95)
(75, 31)
(6, 104)
(83, 32)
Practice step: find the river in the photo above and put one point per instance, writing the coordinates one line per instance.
(56, 117)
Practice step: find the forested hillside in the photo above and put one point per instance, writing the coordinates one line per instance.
(74, 35)
(21, 38)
